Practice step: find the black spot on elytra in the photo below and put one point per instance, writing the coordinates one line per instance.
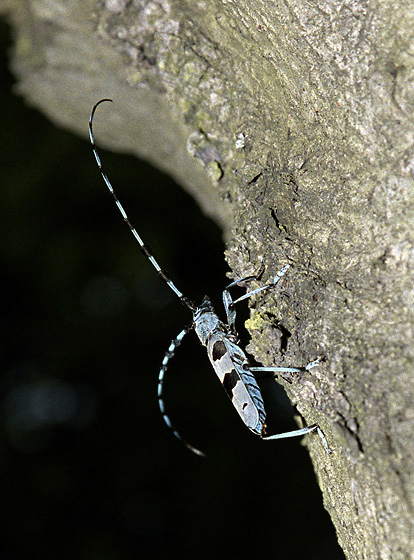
(230, 381)
(219, 349)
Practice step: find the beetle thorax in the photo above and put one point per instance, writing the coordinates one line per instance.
(205, 321)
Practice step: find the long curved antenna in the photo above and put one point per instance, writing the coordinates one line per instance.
(168, 355)
(144, 248)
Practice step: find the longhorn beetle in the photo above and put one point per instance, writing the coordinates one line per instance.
(227, 358)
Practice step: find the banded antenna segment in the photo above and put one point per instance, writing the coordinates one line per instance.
(146, 250)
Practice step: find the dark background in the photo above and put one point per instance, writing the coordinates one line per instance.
(87, 467)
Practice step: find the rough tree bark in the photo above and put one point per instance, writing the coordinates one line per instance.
(292, 124)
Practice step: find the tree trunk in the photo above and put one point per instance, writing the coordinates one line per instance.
(292, 125)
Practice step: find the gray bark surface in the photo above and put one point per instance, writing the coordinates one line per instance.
(292, 125)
